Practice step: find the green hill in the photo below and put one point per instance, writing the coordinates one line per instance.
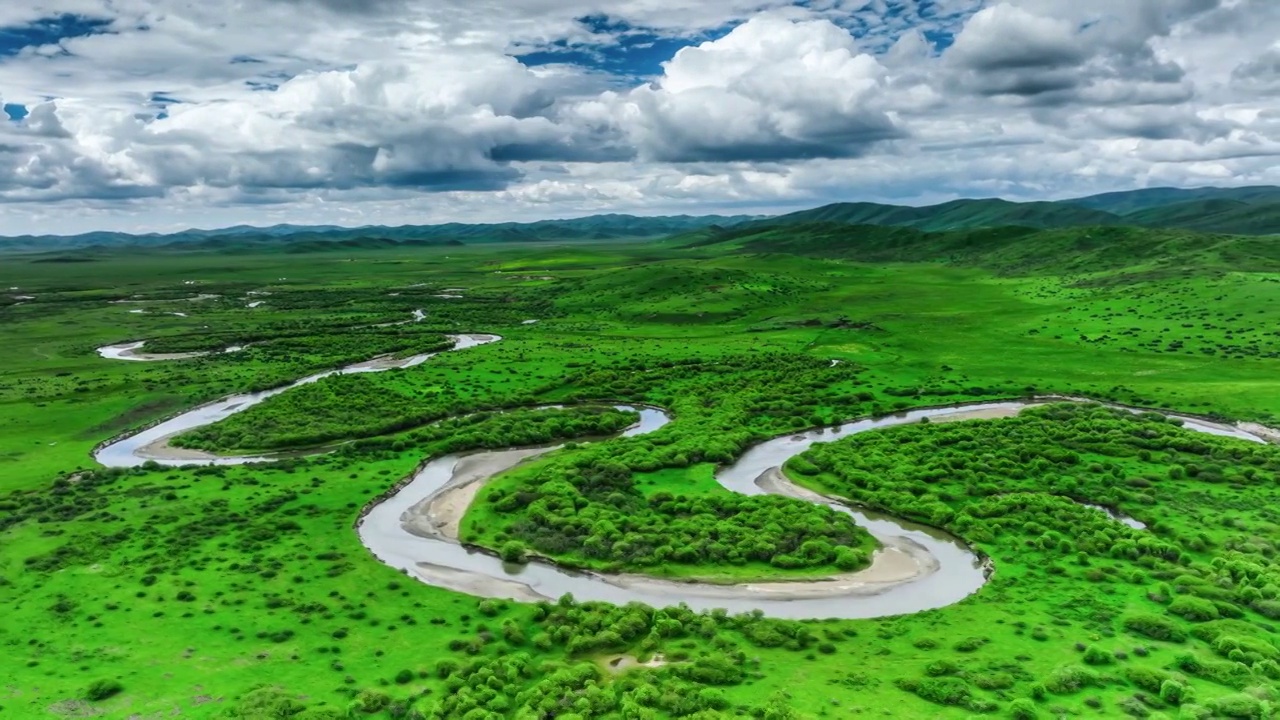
(1214, 215)
(1132, 201)
(1009, 250)
(1245, 211)
(957, 214)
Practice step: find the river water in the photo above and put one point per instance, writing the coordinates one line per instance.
(137, 449)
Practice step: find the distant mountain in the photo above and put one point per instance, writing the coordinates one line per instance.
(1242, 211)
(954, 215)
(1133, 201)
(276, 238)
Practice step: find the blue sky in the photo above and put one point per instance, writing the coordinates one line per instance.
(632, 52)
(161, 114)
(48, 31)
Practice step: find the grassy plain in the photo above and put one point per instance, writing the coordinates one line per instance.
(191, 587)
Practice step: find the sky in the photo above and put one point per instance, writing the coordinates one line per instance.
(159, 115)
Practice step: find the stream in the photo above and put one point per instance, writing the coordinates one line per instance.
(150, 444)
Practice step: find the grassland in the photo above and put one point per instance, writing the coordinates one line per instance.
(192, 588)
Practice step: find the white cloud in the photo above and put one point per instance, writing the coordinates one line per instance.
(395, 111)
(774, 88)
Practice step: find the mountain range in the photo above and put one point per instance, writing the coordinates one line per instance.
(1237, 211)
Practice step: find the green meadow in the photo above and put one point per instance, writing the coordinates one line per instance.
(245, 592)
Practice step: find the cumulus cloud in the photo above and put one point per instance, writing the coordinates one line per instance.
(773, 89)
(164, 112)
(450, 123)
(1058, 58)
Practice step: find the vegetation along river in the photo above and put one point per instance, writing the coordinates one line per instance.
(414, 528)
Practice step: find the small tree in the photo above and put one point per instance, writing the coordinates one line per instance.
(514, 552)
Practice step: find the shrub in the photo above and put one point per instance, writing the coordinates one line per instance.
(490, 608)
(1069, 679)
(1094, 655)
(1023, 709)
(1237, 706)
(1147, 678)
(102, 689)
(514, 552)
(1173, 692)
(1155, 627)
(970, 644)
(1194, 609)
(994, 681)
(939, 668)
(1268, 608)
(941, 691)
(371, 701)
(1231, 674)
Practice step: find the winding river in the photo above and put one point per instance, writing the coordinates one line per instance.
(414, 528)
(151, 444)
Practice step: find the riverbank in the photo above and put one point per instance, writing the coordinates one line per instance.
(440, 514)
(132, 351)
(151, 444)
(437, 516)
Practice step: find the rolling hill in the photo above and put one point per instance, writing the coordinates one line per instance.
(957, 214)
(1241, 211)
(1007, 250)
(1133, 201)
(1213, 215)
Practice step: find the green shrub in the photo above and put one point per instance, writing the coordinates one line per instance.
(1156, 627)
(1231, 674)
(941, 691)
(1268, 608)
(1194, 609)
(994, 680)
(1094, 655)
(514, 552)
(1023, 709)
(970, 644)
(1237, 706)
(102, 689)
(1173, 692)
(939, 668)
(1148, 679)
(371, 701)
(1254, 648)
(1070, 679)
